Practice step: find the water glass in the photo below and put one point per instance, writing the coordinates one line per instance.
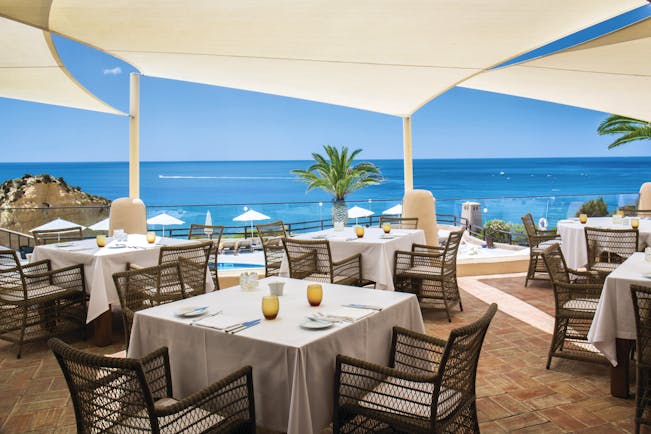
(270, 306)
(635, 222)
(386, 227)
(583, 218)
(248, 281)
(276, 288)
(339, 226)
(359, 231)
(151, 237)
(314, 294)
(100, 240)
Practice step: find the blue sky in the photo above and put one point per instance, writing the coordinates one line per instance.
(187, 121)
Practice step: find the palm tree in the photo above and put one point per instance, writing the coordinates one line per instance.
(336, 174)
(629, 128)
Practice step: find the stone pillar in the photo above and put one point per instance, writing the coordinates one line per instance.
(471, 211)
(421, 204)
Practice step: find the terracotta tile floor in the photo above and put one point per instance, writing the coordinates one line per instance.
(515, 391)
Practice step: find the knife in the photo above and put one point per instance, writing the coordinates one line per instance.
(363, 306)
(242, 326)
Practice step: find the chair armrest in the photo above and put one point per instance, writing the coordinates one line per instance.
(547, 233)
(223, 397)
(37, 267)
(588, 276)
(350, 259)
(415, 351)
(424, 248)
(132, 266)
(68, 277)
(577, 291)
(350, 266)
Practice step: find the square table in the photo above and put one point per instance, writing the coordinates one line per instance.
(613, 326)
(376, 247)
(293, 368)
(101, 263)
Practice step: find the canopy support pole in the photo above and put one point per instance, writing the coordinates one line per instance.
(134, 136)
(406, 150)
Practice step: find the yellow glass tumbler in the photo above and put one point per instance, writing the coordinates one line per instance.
(359, 231)
(635, 222)
(314, 294)
(270, 306)
(386, 227)
(100, 240)
(151, 237)
(583, 218)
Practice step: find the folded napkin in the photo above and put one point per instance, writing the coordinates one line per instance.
(222, 322)
(344, 313)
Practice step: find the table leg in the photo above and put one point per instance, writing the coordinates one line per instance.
(620, 375)
(103, 329)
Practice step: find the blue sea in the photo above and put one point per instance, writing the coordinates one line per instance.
(505, 188)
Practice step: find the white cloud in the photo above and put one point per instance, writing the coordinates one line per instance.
(113, 71)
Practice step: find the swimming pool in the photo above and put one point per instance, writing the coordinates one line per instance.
(235, 265)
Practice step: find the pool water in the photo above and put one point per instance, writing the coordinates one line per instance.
(234, 265)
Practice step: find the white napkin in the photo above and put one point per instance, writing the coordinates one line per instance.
(221, 322)
(348, 313)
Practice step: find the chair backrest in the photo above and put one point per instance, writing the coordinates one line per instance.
(129, 214)
(642, 308)
(400, 222)
(109, 394)
(271, 236)
(51, 236)
(422, 205)
(555, 263)
(451, 250)
(529, 226)
(308, 258)
(644, 204)
(193, 261)
(610, 245)
(138, 290)
(12, 279)
(198, 232)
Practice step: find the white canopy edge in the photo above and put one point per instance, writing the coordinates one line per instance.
(611, 74)
(384, 56)
(31, 70)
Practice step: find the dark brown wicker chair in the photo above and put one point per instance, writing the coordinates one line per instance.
(576, 296)
(51, 236)
(607, 248)
(193, 261)
(312, 260)
(271, 235)
(429, 386)
(538, 240)
(642, 308)
(400, 222)
(142, 288)
(214, 233)
(430, 272)
(112, 394)
(37, 302)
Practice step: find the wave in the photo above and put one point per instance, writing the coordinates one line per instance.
(221, 177)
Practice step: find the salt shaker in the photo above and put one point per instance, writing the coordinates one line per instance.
(244, 281)
(647, 254)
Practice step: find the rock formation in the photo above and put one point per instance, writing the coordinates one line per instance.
(32, 200)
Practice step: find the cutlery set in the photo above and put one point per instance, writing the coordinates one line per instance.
(242, 326)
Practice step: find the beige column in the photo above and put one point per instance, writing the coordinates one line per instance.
(134, 136)
(406, 146)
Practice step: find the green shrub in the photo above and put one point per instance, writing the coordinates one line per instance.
(593, 208)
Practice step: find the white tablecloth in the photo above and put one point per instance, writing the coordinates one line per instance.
(615, 316)
(101, 264)
(573, 235)
(377, 250)
(293, 368)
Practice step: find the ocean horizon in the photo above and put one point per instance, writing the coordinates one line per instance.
(505, 187)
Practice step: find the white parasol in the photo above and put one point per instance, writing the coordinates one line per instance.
(250, 215)
(102, 225)
(57, 223)
(164, 219)
(357, 212)
(208, 222)
(394, 210)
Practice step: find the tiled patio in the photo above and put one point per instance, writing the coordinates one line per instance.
(515, 391)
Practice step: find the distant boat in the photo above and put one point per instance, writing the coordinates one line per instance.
(501, 173)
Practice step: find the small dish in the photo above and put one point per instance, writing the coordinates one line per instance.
(64, 244)
(647, 275)
(117, 246)
(319, 236)
(190, 311)
(316, 324)
(388, 236)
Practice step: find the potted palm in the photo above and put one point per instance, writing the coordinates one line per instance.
(335, 173)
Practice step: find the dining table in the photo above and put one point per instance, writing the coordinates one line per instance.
(100, 263)
(572, 234)
(292, 356)
(613, 329)
(376, 247)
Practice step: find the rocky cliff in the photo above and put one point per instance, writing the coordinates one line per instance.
(32, 200)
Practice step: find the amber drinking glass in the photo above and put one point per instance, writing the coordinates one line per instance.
(635, 222)
(359, 231)
(100, 240)
(314, 294)
(386, 227)
(583, 218)
(270, 306)
(151, 237)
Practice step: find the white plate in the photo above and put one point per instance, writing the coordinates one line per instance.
(117, 246)
(319, 237)
(316, 325)
(388, 236)
(647, 275)
(64, 244)
(190, 311)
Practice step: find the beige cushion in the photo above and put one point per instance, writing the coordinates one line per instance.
(129, 214)
(645, 198)
(421, 204)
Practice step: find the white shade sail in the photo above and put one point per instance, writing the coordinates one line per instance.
(359, 212)
(385, 56)
(394, 210)
(57, 223)
(164, 219)
(30, 70)
(610, 74)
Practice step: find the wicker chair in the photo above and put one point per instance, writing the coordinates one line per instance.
(214, 233)
(400, 222)
(576, 296)
(193, 261)
(37, 302)
(538, 240)
(271, 235)
(607, 248)
(51, 236)
(642, 307)
(430, 272)
(312, 260)
(429, 386)
(111, 394)
(142, 288)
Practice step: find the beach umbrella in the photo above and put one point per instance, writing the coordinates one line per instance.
(250, 215)
(394, 210)
(208, 222)
(102, 225)
(164, 219)
(57, 223)
(357, 212)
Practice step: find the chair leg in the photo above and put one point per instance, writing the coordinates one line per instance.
(22, 333)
